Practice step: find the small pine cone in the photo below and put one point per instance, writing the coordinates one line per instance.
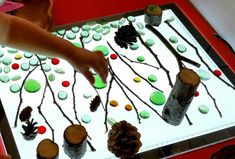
(125, 36)
(95, 103)
(25, 114)
(124, 140)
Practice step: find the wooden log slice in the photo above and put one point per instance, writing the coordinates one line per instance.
(47, 149)
(181, 96)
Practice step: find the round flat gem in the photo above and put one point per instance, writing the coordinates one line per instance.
(86, 118)
(102, 48)
(25, 66)
(18, 56)
(0, 69)
(33, 62)
(77, 44)
(55, 61)
(6, 60)
(14, 88)
(113, 103)
(131, 18)
(149, 42)
(42, 57)
(61, 32)
(96, 27)
(203, 74)
(204, 109)
(51, 77)
(1, 53)
(122, 21)
(42, 129)
(99, 84)
(28, 54)
(59, 70)
(111, 121)
(173, 39)
(218, 73)
(4, 78)
(75, 29)
(96, 37)
(140, 58)
(114, 24)
(134, 46)
(106, 31)
(87, 40)
(113, 56)
(140, 25)
(12, 50)
(170, 19)
(86, 27)
(137, 79)
(141, 32)
(71, 36)
(87, 95)
(85, 34)
(157, 98)
(100, 30)
(128, 107)
(46, 67)
(196, 94)
(7, 69)
(65, 83)
(181, 48)
(16, 78)
(144, 114)
(152, 78)
(32, 86)
(15, 66)
(62, 95)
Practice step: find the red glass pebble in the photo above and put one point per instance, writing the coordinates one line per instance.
(42, 129)
(55, 61)
(65, 83)
(196, 94)
(113, 56)
(15, 66)
(217, 73)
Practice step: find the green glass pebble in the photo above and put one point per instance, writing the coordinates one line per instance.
(7, 69)
(204, 109)
(173, 39)
(62, 95)
(28, 54)
(170, 19)
(141, 32)
(111, 121)
(32, 85)
(203, 74)
(0, 69)
(6, 60)
(46, 67)
(131, 18)
(140, 25)
(86, 27)
(85, 33)
(122, 21)
(86, 118)
(96, 37)
(59, 70)
(114, 24)
(150, 42)
(144, 114)
(152, 78)
(87, 95)
(71, 36)
(140, 58)
(96, 27)
(33, 62)
(106, 31)
(42, 57)
(4, 78)
(100, 30)
(14, 88)
(134, 46)
(157, 98)
(51, 77)
(16, 77)
(181, 48)
(77, 44)
(99, 84)
(61, 32)
(25, 66)
(12, 50)
(107, 26)
(103, 49)
(87, 40)
(75, 29)
(1, 53)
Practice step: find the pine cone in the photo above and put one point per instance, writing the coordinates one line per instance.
(25, 114)
(125, 36)
(124, 139)
(95, 103)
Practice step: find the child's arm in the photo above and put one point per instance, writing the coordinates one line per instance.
(24, 35)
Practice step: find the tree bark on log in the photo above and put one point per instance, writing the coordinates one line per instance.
(181, 96)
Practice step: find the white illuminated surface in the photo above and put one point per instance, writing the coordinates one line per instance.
(154, 131)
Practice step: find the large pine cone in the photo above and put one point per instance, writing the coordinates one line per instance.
(124, 139)
(126, 35)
